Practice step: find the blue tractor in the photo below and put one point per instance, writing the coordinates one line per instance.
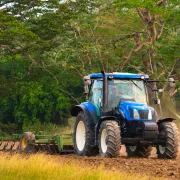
(117, 113)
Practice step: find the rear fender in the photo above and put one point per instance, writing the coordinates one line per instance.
(165, 120)
(90, 116)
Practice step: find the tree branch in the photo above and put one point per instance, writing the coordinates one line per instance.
(141, 45)
(161, 30)
(70, 95)
(172, 69)
(57, 82)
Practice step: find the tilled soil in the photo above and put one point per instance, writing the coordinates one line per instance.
(152, 166)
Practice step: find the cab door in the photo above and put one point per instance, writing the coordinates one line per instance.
(95, 96)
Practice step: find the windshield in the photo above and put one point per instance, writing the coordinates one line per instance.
(131, 90)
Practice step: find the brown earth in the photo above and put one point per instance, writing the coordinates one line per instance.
(152, 166)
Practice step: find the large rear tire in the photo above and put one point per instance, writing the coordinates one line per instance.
(84, 137)
(169, 131)
(109, 139)
(138, 151)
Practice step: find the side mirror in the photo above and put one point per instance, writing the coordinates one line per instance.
(87, 80)
(171, 83)
(86, 90)
(85, 93)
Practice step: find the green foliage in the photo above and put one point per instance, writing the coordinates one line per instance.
(47, 47)
(8, 129)
(47, 128)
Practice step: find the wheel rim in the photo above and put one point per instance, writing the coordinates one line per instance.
(132, 148)
(23, 143)
(80, 135)
(104, 140)
(162, 149)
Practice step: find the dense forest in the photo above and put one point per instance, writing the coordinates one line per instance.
(47, 46)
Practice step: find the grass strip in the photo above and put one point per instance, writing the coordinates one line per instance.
(44, 167)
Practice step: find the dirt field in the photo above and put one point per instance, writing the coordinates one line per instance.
(169, 169)
(152, 166)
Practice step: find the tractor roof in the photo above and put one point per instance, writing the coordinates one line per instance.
(117, 75)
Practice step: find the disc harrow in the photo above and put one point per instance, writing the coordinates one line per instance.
(9, 143)
(28, 142)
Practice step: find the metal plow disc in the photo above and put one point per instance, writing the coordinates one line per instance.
(9, 145)
(15, 146)
(54, 149)
(46, 148)
(3, 145)
(41, 148)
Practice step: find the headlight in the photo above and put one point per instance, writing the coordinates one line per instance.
(111, 76)
(150, 115)
(136, 114)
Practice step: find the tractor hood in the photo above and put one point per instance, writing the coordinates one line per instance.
(135, 111)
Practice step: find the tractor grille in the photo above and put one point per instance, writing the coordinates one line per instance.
(131, 112)
(143, 114)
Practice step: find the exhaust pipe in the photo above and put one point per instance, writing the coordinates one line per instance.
(105, 94)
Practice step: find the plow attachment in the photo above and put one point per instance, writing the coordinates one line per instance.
(30, 143)
(9, 143)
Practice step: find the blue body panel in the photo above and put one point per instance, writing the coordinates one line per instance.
(92, 111)
(125, 107)
(119, 76)
(89, 106)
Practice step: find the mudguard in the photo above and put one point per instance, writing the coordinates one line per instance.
(165, 120)
(89, 111)
(154, 115)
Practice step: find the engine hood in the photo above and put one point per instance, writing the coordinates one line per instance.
(131, 110)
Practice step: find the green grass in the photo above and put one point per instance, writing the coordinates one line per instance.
(44, 167)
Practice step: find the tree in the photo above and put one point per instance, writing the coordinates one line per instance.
(47, 47)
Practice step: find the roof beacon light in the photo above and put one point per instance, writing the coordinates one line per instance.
(142, 77)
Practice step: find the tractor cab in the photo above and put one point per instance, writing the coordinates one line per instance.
(119, 92)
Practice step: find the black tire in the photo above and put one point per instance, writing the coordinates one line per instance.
(138, 151)
(169, 131)
(88, 148)
(109, 139)
(24, 145)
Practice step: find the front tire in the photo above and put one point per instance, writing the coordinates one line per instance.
(84, 137)
(109, 139)
(138, 151)
(169, 131)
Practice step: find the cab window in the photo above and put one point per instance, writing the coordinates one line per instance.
(96, 93)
